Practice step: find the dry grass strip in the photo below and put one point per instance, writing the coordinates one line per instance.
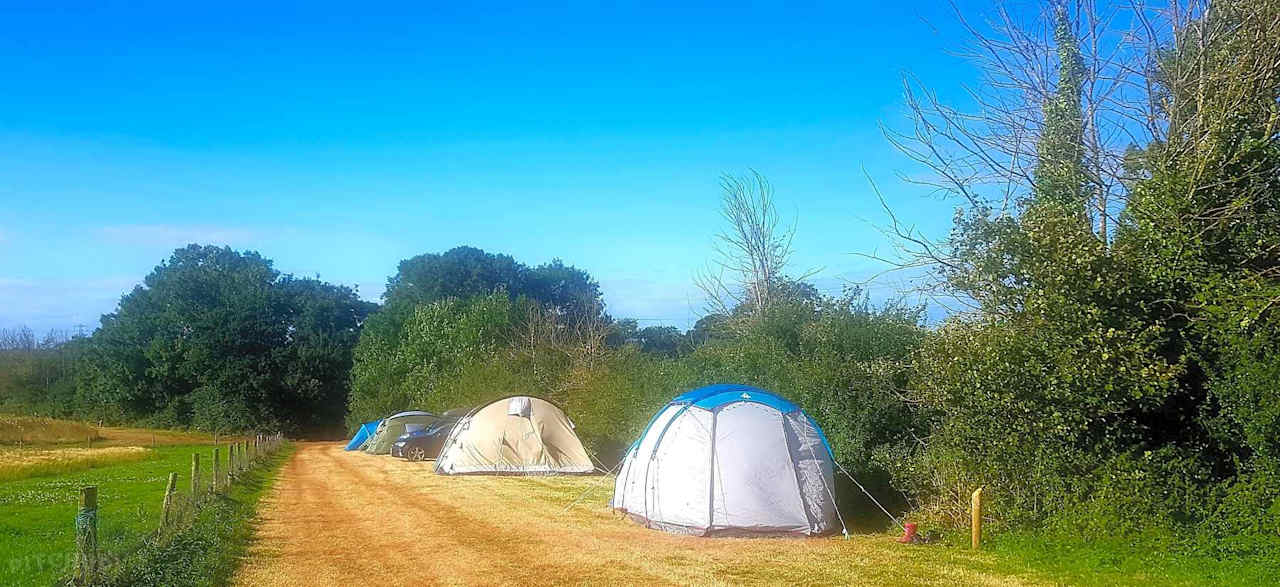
(21, 463)
(337, 518)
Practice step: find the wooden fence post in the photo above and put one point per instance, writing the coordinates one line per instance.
(195, 475)
(87, 537)
(213, 483)
(977, 518)
(168, 499)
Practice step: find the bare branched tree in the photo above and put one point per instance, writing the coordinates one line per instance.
(579, 336)
(540, 328)
(985, 158)
(17, 339)
(589, 331)
(751, 254)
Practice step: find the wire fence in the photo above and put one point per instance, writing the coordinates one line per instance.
(207, 480)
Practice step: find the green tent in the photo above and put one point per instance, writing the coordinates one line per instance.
(393, 426)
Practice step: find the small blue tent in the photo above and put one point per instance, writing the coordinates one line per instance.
(363, 435)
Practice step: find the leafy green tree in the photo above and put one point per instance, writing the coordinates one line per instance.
(436, 341)
(707, 328)
(460, 272)
(562, 288)
(220, 340)
(383, 381)
(467, 272)
(1123, 379)
(621, 332)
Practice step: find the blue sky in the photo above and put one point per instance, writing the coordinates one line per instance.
(337, 139)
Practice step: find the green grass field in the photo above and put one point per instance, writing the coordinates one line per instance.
(1108, 561)
(37, 514)
(210, 549)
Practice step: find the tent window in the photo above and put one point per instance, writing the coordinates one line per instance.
(519, 406)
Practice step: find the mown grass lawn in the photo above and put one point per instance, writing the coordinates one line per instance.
(1105, 560)
(37, 536)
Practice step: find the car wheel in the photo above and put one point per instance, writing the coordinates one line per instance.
(417, 453)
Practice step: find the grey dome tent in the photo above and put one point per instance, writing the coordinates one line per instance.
(514, 436)
(393, 426)
(729, 460)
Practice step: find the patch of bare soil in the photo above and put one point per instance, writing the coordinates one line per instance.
(340, 518)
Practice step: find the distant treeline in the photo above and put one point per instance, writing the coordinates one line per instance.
(38, 373)
(214, 339)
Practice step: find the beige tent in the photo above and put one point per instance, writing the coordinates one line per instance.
(514, 436)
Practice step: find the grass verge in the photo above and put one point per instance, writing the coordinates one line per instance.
(207, 551)
(1108, 561)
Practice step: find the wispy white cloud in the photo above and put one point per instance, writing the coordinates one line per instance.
(59, 303)
(174, 235)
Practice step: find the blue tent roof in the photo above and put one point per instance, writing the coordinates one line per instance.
(363, 435)
(714, 396)
(711, 397)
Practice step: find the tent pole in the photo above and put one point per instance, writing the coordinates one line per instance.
(711, 475)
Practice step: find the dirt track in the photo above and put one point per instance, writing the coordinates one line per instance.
(338, 518)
